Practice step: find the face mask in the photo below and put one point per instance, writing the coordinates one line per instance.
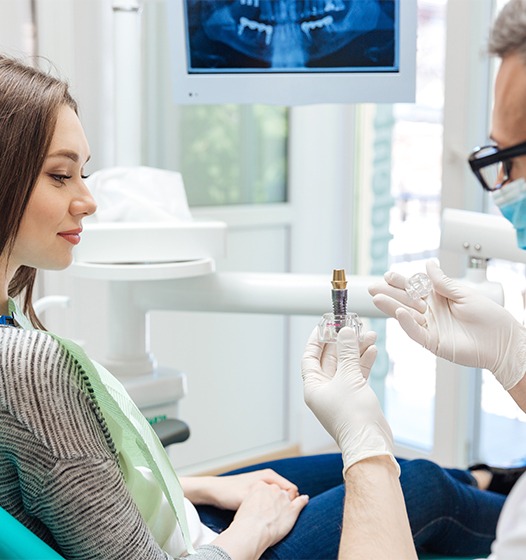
(511, 200)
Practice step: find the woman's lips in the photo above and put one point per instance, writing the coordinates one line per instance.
(72, 236)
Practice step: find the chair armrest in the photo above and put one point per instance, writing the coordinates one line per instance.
(171, 431)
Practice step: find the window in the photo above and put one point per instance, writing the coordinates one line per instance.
(415, 225)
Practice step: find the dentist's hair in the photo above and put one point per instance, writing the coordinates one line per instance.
(508, 34)
(29, 104)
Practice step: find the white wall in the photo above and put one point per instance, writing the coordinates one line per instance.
(76, 35)
(17, 34)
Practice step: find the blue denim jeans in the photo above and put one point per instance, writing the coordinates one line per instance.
(447, 513)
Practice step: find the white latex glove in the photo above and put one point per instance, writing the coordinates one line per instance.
(342, 400)
(457, 323)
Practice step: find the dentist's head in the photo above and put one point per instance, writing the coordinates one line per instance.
(501, 167)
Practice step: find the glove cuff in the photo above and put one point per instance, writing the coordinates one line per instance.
(512, 369)
(351, 458)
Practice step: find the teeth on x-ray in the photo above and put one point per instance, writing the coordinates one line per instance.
(307, 26)
(255, 26)
(279, 10)
(254, 3)
(282, 34)
(337, 6)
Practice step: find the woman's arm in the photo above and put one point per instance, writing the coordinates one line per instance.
(266, 504)
(228, 492)
(65, 481)
(91, 514)
(74, 485)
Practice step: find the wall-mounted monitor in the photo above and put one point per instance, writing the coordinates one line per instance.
(293, 52)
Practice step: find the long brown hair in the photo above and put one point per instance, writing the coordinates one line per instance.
(29, 104)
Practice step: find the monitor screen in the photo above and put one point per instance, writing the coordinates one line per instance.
(293, 52)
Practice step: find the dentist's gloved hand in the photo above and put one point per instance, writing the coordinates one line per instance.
(457, 323)
(342, 399)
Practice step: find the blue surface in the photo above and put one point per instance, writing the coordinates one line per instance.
(17, 542)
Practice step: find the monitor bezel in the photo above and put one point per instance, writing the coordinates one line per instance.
(294, 88)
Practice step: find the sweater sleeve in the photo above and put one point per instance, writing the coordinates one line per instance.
(92, 515)
(69, 487)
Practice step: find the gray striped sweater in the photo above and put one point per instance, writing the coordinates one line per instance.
(58, 473)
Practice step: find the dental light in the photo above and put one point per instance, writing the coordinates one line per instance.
(480, 237)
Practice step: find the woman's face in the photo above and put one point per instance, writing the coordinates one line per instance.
(51, 224)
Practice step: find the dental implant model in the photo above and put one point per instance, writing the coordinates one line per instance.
(331, 323)
(339, 293)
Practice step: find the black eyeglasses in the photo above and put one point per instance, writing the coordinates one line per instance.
(492, 166)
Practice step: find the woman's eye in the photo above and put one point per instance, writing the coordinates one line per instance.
(84, 177)
(59, 178)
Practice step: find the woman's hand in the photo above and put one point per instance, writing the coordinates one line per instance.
(228, 492)
(264, 517)
(271, 508)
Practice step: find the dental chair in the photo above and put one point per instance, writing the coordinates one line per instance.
(17, 542)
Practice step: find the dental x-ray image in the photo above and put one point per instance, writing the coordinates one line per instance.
(292, 35)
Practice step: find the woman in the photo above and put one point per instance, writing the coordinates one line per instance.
(79, 465)
(73, 467)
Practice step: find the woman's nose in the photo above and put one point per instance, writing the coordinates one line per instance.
(84, 203)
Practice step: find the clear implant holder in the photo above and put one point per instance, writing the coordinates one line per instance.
(419, 286)
(330, 325)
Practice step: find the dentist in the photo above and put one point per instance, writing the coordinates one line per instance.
(454, 323)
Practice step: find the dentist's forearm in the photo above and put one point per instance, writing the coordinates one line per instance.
(375, 523)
